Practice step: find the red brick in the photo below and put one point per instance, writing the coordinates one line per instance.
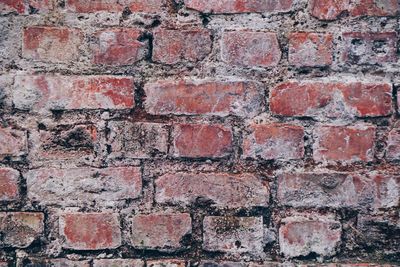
(25, 6)
(118, 46)
(137, 140)
(52, 44)
(201, 140)
(90, 231)
(332, 9)
(308, 49)
(204, 97)
(344, 143)
(118, 263)
(249, 48)
(83, 6)
(338, 190)
(64, 142)
(34, 262)
(233, 234)
(164, 232)
(366, 48)
(13, 143)
(331, 99)
(80, 186)
(41, 92)
(9, 180)
(274, 141)
(302, 235)
(175, 46)
(219, 189)
(239, 6)
(393, 145)
(20, 229)
(166, 263)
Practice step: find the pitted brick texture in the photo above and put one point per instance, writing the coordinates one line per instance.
(210, 133)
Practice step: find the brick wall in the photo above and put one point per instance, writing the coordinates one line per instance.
(173, 133)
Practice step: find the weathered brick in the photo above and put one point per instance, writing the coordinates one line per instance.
(4, 264)
(20, 229)
(137, 140)
(165, 232)
(377, 231)
(25, 6)
(9, 184)
(43, 92)
(204, 97)
(393, 145)
(13, 143)
(309, 49)
(175, 46)
(344, 143)
(206, 263)
(35, 262)
(366, 48)
(338, 190)
(52, 44)
(119, 46)
(332, 9)
(201, 140)
(83, 6)
(301, 235)
(118, 263)
(233, 234)
(80, 186)
(250, 48)
(239, 6)
(63, 142)
(331, 99)
(274, 141)
(166, 263)
(90, 231)
(218, 189)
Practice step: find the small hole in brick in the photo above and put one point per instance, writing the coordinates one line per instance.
(238, 244)
(379, 46)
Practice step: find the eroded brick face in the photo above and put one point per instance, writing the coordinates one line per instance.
(90, 231)
(13, 143)
(9, 184)
(249, 48)
(165, 232)
(25, 7)
(81, 6)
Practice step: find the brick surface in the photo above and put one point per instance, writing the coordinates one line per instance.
(201, 141)
(352, 190)
(13, 143)
(249, 48)
(300, 236)
(331, 99)
(90, 231)
(239, 6)
(165, 232)
(20, 229)
(43, 92)
(138, 140)
(204, 97)
(217, 189)
(274, 141)
(52, 44)
(9, 184)
(34, 262)
(82, 6)
(25, 7)
(79, 186)
(233, 234)
(369, 48)
(308, 49)
(332, 9)
(341, 143)
(118, 263)
(393, 145)
(174, 46)
(166, 263)
(119, 46)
